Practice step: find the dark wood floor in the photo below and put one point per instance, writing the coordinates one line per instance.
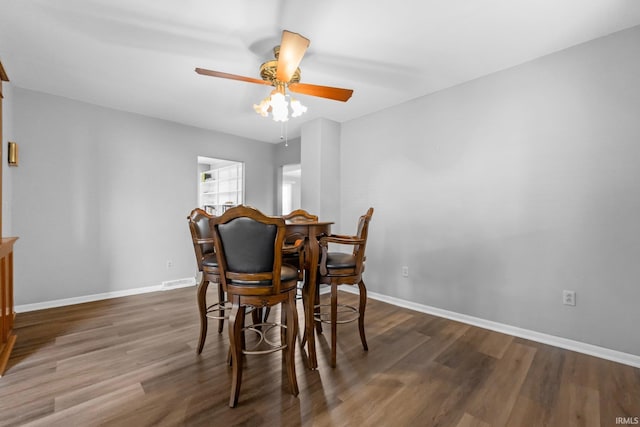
(131, 361)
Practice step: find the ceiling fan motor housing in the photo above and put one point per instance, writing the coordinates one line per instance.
(268, 70)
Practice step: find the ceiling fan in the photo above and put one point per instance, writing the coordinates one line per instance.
(282, 73)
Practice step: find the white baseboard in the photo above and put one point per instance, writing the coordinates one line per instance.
(580, 347)
(172, 284)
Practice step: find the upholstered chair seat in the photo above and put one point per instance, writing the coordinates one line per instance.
(287, 274)
(339, 260)
(210, 260)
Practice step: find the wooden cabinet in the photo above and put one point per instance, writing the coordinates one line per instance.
(7, 313)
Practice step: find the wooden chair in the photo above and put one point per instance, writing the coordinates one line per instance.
(249, 248)
(339, 268)
(293, 244)
(203, 245)
(295, 251)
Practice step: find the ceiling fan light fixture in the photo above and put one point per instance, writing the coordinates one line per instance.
(263, 107)
(279, 107)
(297, 109)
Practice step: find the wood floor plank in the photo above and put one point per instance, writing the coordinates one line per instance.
(491, 343)
(493, 402)
(79, 395)
(541, 388)
(579, 406)
(584, 407)
(527, 411)
(470, 421)
(619, 388)
(94, 412)
(460, 377)
(132, 361)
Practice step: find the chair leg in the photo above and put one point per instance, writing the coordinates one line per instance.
(361, 309)
(236, 322)
(221, 298)
(202, 307)
(242, 339)
(305, 303)
(334, 323)
(291, 333)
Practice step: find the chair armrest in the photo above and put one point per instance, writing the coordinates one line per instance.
(205, 241)
(297, 246)
(341, 239)
(334, 238)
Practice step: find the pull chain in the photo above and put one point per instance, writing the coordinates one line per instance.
(284, 134)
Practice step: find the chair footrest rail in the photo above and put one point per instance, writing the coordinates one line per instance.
(324, 316)
(214, 310)
(262, 329)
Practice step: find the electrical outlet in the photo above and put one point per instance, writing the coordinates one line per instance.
(569, 297)
(405, 271)
(169, 263)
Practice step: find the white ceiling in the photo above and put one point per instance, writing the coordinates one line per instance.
(140, 56)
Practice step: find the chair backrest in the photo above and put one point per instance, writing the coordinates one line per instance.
(249, 247)
(300, 215)
(201, 234)
(362, 233)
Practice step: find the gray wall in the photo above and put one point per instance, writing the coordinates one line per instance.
(500, 193)
(7, 171)
(100, 198)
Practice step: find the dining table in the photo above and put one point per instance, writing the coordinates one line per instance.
(309, 232)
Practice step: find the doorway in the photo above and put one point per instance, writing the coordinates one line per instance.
(220, 184)
(291, 189)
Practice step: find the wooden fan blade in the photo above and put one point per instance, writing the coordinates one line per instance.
(334, 93)
(212, 73)
(292, 49)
